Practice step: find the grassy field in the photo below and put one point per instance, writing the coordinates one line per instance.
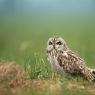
(23, 40)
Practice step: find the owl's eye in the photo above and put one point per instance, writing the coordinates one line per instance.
(50, 43)
(59, 43)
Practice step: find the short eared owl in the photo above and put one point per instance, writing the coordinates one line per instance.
(62, 59)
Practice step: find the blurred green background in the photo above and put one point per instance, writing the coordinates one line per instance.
(26, 25)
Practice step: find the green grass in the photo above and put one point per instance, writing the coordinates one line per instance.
(23, 39)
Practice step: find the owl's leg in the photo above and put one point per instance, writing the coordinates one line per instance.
(53, 71)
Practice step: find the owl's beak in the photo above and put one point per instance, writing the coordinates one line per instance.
(54, 46)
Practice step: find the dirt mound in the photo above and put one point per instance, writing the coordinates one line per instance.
(15, 81)
(13, 78)
(12, 74)
(75, 86)
(50, 86)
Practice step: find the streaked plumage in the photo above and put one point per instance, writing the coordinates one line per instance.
(62, 59)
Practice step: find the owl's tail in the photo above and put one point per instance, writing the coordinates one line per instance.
(89, 74)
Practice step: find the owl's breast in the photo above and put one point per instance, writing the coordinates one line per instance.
(52, 57)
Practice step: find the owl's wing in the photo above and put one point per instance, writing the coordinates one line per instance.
(71, 62)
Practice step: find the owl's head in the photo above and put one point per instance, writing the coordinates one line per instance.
(56, 43)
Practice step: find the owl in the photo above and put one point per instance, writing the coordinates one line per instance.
(63, 60)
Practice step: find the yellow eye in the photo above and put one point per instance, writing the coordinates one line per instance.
(59, 43)
(50, 43)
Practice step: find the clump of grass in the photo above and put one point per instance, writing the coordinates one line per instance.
(37, 68)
